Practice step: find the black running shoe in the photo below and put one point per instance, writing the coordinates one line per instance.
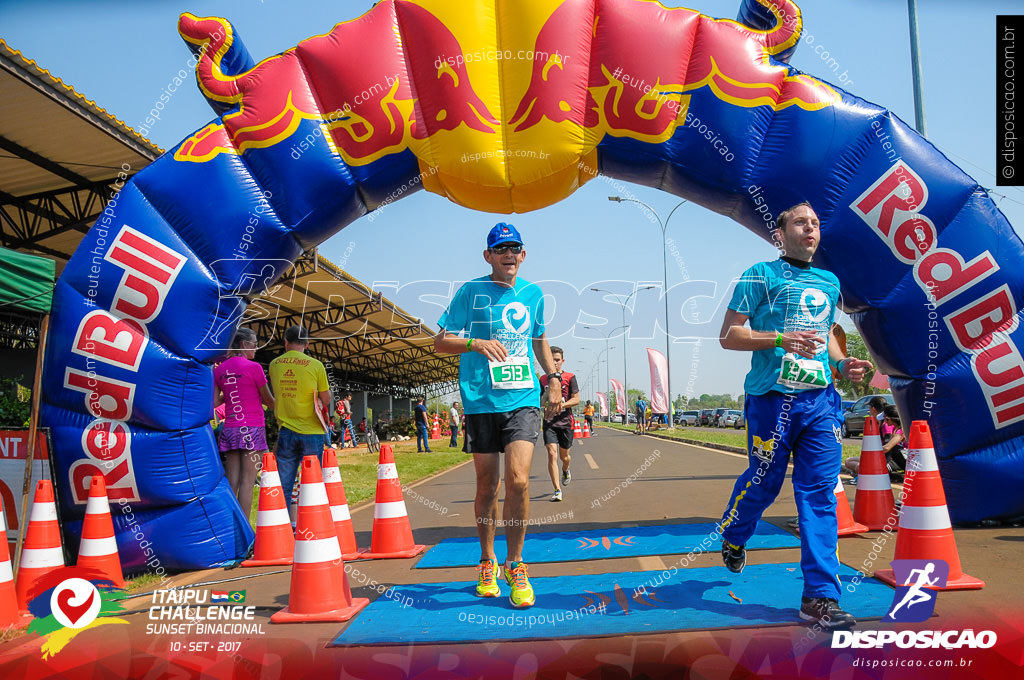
(734, 557)
(825, 611)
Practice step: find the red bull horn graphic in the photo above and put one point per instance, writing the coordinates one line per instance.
(508, 106)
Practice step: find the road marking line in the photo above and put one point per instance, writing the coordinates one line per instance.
(590, 461)
(651, 563)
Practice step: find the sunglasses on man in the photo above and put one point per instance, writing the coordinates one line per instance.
(501, 250)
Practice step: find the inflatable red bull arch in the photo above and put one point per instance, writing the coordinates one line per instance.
(509, 106)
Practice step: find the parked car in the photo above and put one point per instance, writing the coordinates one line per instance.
(734, 419)
(853, 418)
(704, 419)
(716, 416)
(687, 417)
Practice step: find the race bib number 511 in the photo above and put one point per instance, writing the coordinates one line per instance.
(802, 374)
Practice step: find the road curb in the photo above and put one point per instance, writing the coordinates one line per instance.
(695, 442)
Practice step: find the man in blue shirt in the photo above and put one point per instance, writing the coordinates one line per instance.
(791, 406)
(497, 323)
(422, 428)
(641, 416)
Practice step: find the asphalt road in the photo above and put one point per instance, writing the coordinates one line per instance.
(681, 483)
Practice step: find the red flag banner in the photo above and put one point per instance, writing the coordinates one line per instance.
(620, 395)
(602, 400)
(659, 381)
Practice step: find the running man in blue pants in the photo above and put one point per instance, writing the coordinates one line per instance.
(791, 407)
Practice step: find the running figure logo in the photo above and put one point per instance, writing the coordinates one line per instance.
(914, 601)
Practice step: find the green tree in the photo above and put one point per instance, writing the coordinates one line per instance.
(855, 347)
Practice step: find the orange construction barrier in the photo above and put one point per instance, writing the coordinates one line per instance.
(339, 506)
(275, 542)
(98, 549)
(319, 587)
(42, 552)
(873, 503)
(847, 525)
(925, 532)
(9, 614)
(392, 533)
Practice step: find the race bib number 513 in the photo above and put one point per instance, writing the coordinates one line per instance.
(512, 374)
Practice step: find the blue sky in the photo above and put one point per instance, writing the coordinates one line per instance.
(122, 54)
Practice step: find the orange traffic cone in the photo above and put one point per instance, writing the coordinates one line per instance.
(392, 533)
(873, 504)
(586, 430)
(98, 549)
(9, 614)
(847, 525)
(339, 506)
(42, 552)
(319, 588)
(576, 432)
(925, 532)
(275, 542)
(435, 431)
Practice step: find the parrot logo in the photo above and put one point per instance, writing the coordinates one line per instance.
(763, 449)
(812, 298)
(516, 311)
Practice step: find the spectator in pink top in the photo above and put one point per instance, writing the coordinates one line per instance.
(241, 385)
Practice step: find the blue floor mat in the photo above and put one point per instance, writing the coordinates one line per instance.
(601, 604)
(569, 546)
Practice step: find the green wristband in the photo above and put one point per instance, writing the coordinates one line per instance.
(469, 344)
(778, 339)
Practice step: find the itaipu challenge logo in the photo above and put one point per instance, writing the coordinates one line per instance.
(69, 601)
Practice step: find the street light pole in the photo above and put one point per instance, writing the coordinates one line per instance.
(625, 343)
(664, 264)
(607, 369)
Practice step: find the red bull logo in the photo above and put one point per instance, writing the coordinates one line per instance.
(399, 78)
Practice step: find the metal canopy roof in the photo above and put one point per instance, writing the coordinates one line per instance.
(59, 154)
(368, 340)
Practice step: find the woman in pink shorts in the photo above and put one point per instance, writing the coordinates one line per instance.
(241, 385)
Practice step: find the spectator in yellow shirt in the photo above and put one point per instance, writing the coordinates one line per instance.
(300, 386)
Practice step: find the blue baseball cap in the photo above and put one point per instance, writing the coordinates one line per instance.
(503, 233)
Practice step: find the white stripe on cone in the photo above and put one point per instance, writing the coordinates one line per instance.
(874, 483)
(922, 460)
(272, 518)
(340, 513)
(871, 442)
(36, 558)
(43, 512)
(269, 478)
(839, 486)
(97, 547)
(313, 494)
(926, 518)
(97, 505)
(387, 471)
(331, 475)
(389, 510)
(6, 575)
(317, 550)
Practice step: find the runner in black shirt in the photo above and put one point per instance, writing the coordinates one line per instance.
(558, 430)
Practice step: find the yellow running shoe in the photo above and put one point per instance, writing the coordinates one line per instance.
(487, 583)
(522, 592)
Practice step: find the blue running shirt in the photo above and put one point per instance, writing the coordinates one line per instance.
(779, 297)
(490, 311)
